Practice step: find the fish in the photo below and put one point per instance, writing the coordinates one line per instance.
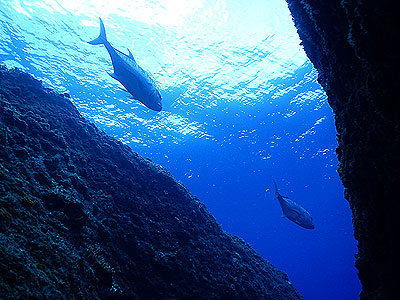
(135, 80)
(293, 211)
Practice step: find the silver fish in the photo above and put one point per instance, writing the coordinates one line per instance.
(293, 211)
(136, 80)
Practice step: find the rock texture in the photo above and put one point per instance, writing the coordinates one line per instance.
(352, 44)
(82, 216)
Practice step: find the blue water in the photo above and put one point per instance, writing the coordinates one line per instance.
(242, 107)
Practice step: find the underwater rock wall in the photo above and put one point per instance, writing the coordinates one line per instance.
(82, 216)
(352, 45)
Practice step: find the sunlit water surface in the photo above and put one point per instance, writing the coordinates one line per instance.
(242, 107)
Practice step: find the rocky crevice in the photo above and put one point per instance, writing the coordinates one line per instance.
(352, 45)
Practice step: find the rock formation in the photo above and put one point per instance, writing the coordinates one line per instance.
(82, 216)
(352, 44)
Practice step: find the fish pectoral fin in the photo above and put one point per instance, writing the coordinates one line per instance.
(295, 213)
(123, 89)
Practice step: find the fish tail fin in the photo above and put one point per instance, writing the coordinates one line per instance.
(102, 38)
(276, 190)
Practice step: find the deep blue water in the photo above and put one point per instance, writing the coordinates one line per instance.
(242, 107)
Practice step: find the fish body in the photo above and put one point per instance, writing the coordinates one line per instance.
(135, 80)
(293, 211)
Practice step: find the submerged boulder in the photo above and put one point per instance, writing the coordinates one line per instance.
(82, 216)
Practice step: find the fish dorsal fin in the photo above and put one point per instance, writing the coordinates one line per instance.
(131, 55)
(113, 75)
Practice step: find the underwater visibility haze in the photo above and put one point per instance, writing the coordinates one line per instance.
(241, 107)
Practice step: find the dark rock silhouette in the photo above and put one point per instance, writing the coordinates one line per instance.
(82, 216)
(352, 45)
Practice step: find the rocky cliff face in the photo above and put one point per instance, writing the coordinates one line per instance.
(352, 45)
(82, 216)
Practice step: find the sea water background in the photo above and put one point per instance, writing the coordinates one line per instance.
(242, 107)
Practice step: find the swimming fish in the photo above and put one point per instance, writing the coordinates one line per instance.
(135, 80)
(293, 211)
